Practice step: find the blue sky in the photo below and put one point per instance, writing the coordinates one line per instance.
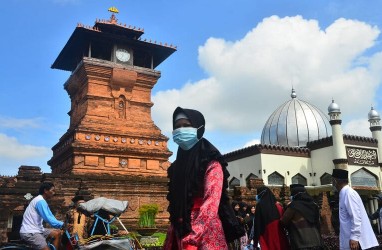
(236, 62)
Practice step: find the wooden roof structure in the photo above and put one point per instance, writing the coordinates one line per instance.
(108, 31)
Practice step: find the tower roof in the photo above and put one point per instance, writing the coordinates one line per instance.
(373, 115)
(295, 123)
(107, 32)
(333, 107)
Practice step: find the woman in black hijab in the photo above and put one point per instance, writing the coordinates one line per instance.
(268, 231)
(200, 214)
(302, 219)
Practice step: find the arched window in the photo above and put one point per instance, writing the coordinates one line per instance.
(251, 176)
(326, 179)
(251, 180)
(275, 179)
(364, 178)
(234, 182)
(299, 179)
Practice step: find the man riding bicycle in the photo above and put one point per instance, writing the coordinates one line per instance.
(32, 230)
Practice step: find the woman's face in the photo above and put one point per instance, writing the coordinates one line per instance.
(237, 207)
(182, 123)
(253, 209)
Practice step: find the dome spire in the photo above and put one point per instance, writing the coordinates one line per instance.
(374, 117)
(293, 94)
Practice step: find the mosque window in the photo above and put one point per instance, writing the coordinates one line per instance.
(364, 178)
(326, 179)
(235, 182)
(251, 180)
(299, 179)
(251, 176)
(275, 179)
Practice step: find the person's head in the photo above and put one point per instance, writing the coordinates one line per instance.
(47, 190)
(236, 205)
(261, 192)
(243, 206)
(252, 209)
(296, 190)
(188, 127)
(339, 178)
(78, 199)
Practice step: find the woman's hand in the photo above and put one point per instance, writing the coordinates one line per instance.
(189, 247)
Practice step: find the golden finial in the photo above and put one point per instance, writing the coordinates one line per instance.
(113, 9)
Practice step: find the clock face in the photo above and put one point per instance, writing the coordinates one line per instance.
(122, 55)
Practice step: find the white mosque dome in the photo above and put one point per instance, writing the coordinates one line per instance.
(373, 115)
(295, 123)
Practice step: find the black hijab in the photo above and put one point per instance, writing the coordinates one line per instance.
(187, 172)
(234, 203)
(304, 204)
(266, 210)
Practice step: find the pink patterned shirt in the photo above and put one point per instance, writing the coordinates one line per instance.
(207, 230)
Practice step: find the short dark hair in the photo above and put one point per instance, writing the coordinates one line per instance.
(45, 185)
(78, 198)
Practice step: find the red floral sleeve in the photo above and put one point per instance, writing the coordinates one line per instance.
(204, 221)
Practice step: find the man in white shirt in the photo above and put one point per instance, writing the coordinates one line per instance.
(32, 230)
(355, 228)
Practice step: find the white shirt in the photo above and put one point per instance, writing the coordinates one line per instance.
(354, 222)
(37, 211)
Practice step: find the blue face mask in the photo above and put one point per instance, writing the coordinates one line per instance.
(185, 137)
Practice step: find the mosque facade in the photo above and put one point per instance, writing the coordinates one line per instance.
(300, 144)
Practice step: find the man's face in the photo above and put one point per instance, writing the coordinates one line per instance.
(50, 193)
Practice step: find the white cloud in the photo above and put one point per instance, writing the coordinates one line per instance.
(249, 78)
(357, 127)
(14, 123)
(252, 142)
(12, 149)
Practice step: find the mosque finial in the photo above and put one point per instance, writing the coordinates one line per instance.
(293, 94)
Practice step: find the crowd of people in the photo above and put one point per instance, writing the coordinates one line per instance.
(201, 215)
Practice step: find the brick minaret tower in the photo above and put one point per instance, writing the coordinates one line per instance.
(111, 130)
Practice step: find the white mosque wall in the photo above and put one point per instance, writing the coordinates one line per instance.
(285, 166)
(322, 163)
(243, 167)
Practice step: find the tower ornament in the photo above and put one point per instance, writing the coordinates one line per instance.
(113, 9)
